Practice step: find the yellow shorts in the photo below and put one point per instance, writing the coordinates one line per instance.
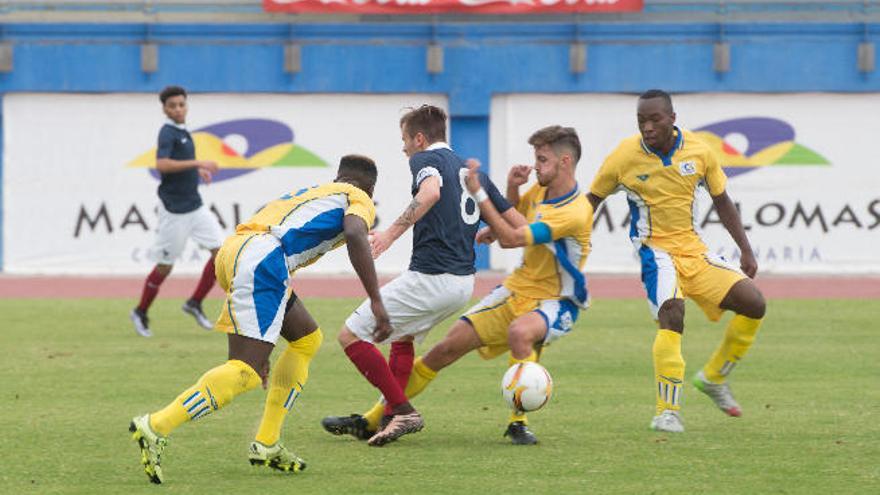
(705, 278)
(492, 316)
(251, 269)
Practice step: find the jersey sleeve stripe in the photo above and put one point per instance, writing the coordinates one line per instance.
(428, 172)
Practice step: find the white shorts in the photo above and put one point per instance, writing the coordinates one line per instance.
(253, 271)
(416, 302)
(174, 229)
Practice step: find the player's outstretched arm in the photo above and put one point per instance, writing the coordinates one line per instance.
(513, 218)
(508, 235)
(508, 210)
(730, 218)
(427, 195)
(355, 231)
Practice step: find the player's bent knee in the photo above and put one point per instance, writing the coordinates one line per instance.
(346, 337)
(518, 335)
(745, 299)
(757, 307)
(671, 315)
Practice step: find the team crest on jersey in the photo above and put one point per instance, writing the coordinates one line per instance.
(566, 321)
(642, 177)
(687, 168)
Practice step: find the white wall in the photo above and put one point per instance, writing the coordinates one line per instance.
(67, 153)
(846, 190)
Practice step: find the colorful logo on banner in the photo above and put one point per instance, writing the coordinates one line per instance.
(243, 146)
(748, 144)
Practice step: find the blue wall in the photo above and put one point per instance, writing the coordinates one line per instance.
(480, 60)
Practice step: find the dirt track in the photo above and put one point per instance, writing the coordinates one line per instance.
(601, 287)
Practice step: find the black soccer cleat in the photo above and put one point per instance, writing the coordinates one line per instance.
(354, 425)
(519, 434)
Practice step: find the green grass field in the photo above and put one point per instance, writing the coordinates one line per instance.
(74, 374)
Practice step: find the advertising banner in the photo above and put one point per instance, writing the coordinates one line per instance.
(799, 169)
(80, 184)
(451, 6)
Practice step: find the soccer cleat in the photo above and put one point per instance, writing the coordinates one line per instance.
(668, 421)
(276, 457)
(194, 308)
(520, 434)
(719, 393)
(141, 322)
(151, 445)
(400, 425)
(354, 425)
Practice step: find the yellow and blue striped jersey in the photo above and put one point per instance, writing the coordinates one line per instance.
(557, 245)
(661, 189)
(308, 222)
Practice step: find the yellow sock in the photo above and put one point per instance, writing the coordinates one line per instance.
(668, 369)
(533, 358)
(286, 383)
(738, 338)
(420, 377)
(215, 389)
(374, 415)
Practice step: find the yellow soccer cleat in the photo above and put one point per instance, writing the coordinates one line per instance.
(151, 445)
(276, 457)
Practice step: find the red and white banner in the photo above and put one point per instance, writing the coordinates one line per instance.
(451, 6)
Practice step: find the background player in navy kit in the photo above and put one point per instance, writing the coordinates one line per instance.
(438, 283)
(181, 212)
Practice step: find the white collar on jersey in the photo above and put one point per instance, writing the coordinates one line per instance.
(439, 145)
(175, 124)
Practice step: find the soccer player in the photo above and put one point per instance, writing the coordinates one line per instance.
(660, 170)
(438, 283)
(181, 212)
(540, 301)
(254, 267)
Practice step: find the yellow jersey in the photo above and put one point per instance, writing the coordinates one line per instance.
(308, 223)
(661, 189)
(557, 246)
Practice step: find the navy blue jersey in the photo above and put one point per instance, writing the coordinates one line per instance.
(178, 191)
(443, 239)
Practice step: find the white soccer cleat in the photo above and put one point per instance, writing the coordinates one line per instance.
(141, 322)
(668, 421)
(194, 308)
(719, 393)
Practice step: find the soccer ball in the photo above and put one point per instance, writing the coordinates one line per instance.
(526, 386)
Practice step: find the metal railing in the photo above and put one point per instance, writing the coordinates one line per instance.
(252, 11)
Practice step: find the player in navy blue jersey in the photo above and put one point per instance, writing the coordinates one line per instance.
(181, 212)
(438, 283)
